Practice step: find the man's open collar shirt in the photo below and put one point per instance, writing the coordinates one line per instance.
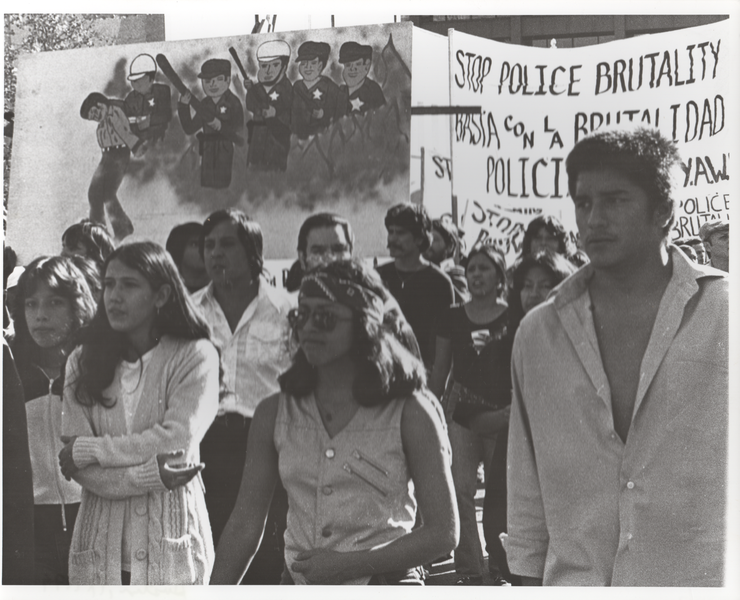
(256, 352)
(586, 508)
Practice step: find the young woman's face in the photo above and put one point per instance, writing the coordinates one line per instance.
(325, 344)
(130, 301)
(49, 317)
(537, 285)
(544, 240)
(482, 276)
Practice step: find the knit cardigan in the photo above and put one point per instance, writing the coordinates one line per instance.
(170, 535)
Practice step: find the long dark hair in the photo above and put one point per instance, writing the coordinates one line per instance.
(63, 278)
(554, 227)
(385, 368)
(554, 263)
(103, 347)
(499, 263)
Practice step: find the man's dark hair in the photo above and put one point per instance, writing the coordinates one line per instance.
(693, 240)
(642, 155)
(324, 219)
(177, 241)
(93, 99)
(413, 218)
(449, 236)
(248, 231)
(93, 236)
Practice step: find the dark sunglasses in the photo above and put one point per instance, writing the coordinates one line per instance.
(323, 320)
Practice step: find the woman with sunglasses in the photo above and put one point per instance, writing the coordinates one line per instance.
(352, 429)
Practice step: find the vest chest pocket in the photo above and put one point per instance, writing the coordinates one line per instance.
(370, 471)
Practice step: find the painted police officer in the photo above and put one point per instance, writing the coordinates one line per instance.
(270, 101)
(360, 92)
(315, 96)
(215, 138)
(148, 106)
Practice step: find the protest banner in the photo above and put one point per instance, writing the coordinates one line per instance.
(145, 137)
(508, 162)
(430, 132)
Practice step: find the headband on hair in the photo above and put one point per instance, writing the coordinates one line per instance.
(343, 291)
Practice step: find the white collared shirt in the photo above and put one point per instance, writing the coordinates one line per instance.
(256, 353)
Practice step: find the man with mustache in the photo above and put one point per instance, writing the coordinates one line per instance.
(715, 236)
(618, 430)
(422, 290)
(270, 101)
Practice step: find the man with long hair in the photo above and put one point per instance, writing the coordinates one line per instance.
(618, 432)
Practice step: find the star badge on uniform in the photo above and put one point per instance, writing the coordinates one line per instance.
(317, 94)
(356, 104)
(151, 102)
(222, 110)
(274, 96)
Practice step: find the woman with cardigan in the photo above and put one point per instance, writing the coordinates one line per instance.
(357, 441)
(139, 395)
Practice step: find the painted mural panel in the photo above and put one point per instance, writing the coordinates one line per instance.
(143, 137)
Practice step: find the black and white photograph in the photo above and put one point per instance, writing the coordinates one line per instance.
(341, 296)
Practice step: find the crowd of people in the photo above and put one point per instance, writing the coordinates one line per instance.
(189, 422)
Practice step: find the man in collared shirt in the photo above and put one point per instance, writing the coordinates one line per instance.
(249, 322)
(618, 431)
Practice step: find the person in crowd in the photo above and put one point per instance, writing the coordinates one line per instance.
(442, 252)
(689, 251)
(117, 142)
(139, 395)
(695, 242)
(18, 508)
(358, 443)
(422, 290)
(11, 273)
(474, 342)
(54, 302)
(88, 239)
(716, 238)
(183, 244)
(249, 320)
(534, 277)
(323, 238)
(618, 425)
(545, 231)
(326, 237)
(92, 271)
